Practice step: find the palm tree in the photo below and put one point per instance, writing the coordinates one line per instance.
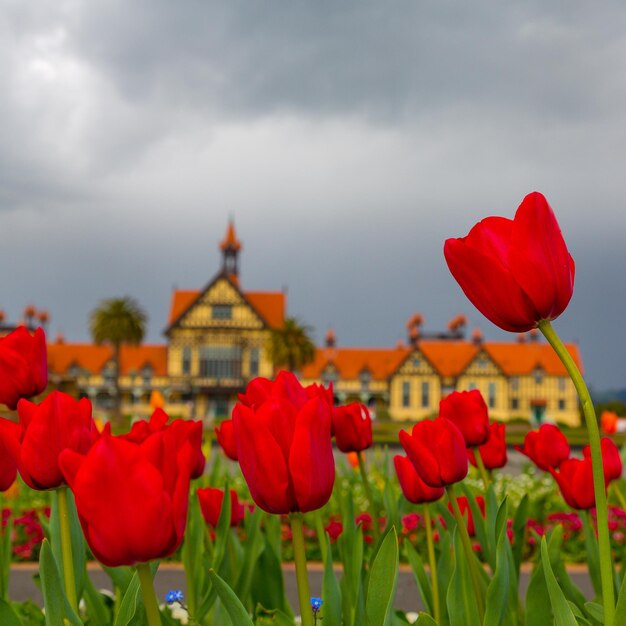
(118, 321)
(291, 346)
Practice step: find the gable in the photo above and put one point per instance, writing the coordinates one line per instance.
(482, 365)
(416, 364)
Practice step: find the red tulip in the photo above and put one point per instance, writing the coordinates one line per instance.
(515, 272)
(352, 427)
(464, 506)
(59, 422)
(575, 480)
(131, 497)
(437, 450)
(284, 445)
(546, 448)
(226, 438)
(8, 465)
(415, 490)
(23, 365)
(468, 411)
(611, 459)
(178, 430)
(492, 453)
(211, 500)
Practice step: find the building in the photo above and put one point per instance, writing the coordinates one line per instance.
(217, 340)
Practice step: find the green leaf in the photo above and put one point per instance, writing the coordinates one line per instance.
(593, 553)
(519, 532)
(132, 603)
(596, 611)
(231, 602)
(5, 556)
(253, 547)
(271, 617)
(331, 592)
(423, 619)
(421, 578)
(8, 617)
(55, 601)
(383, 578)
(120, 576)
(497, 602)
(267, 586)
(460, 599)
(563, 615)
(620, 609)
(479, 524)
(99, 613)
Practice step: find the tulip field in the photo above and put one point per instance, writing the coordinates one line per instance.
(296, 478)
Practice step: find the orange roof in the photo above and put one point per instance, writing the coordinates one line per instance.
(230, 239)
(449, 358)
(61, 356)
(269, 304)
(523, 358)
(350, 362)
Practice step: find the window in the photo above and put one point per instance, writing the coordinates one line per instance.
(330, 375)
(406, 394)
(514, 404)
(562, 383)
(254, 362)
(416, 361)
(471, 386)
(186, 360)
(222, 312)
(491, 395)
(482, 363)
(514, 383)
(425, 394)
(220, 362)
(562, 404)
(221, 406)
(538, 375)
(146, 374)
(365, 377)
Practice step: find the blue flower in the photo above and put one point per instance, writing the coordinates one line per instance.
(174, 596)
(316, 604)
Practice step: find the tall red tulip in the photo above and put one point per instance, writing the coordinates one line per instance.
(437, 450)
(60, 422)
(575, 480)
(226, 438)
(284, 445)
(131, 498)
(352, 427)
(515, 272)
(415, 490)
(492, 453)
(546, 448)
(8, 465)
(468, 411)
(211, 500)
(23, 365)
(611, 459)
(177, 431)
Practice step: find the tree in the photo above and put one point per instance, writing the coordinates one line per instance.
(291, 346)
(118, 321)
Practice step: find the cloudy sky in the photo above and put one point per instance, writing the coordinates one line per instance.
(348, 141)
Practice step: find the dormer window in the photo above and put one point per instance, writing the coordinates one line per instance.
(330, 375)
(365, 377)
(482, 363)
(538, 375)
(146, 374)
(74, 370)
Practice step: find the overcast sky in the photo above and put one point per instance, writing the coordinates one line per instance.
(347, 139)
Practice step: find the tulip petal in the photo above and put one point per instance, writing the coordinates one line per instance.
(311, 461)
(539, 259)
(262, 461)
(424, 461)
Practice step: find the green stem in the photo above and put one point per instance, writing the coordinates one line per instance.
(66, 549)
(368, 493)
(469, 553)
(149, 596)
(321, 534)
(5, 552)
(619, 495)
(481, 468)
(299, 556)
(434, 582)
(593, 432)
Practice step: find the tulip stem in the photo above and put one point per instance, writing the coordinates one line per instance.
(321, 534)
(368, 493)
(593, 432)
(434, 582)
(299, 556)
(149, 596)
(66, 548)
(467, 547)
(5, 551)
(481, 468)
(619, 495)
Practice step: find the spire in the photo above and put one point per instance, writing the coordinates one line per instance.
(230, 247)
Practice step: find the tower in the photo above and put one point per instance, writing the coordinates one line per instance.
(230, 247)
